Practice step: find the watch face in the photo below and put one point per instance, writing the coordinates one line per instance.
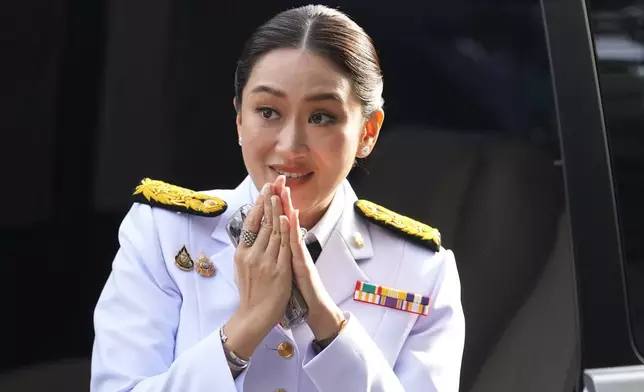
(236, 223)
(296, 309)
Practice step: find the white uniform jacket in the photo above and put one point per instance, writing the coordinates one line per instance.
(157, 326)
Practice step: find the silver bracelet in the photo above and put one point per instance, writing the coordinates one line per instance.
(234, 362)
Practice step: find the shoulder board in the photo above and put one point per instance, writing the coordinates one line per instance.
(175, 198)
(417, 232)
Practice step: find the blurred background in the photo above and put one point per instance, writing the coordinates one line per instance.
(97, 95)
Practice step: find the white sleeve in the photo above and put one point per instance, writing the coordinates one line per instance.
(430, 359)
(136, 320)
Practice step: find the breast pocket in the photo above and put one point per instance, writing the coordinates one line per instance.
(387, 327)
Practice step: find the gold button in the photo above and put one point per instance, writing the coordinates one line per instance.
(280, 390)
(358, 241)
(285, 350)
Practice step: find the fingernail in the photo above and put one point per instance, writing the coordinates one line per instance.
(265, 189)
(274, 199)
(288, 191)
(283, 222)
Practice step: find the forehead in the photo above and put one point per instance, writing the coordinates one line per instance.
(297, 72)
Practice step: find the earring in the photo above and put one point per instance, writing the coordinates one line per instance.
(239, 140)
(365, 150)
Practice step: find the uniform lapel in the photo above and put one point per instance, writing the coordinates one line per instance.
(338, 263)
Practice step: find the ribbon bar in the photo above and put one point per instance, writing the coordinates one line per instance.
(391, 298)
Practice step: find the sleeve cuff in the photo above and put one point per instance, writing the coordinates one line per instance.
(211, 351)
(351, 357)
(239, 381)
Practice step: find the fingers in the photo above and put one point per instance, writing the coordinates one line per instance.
(280, 183)
(266, 220)
(295, 236)
(254, 218)
(284, 256)
(285, 195)
(274, 243)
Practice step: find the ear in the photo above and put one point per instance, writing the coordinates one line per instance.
(371, 132)
(238, 111)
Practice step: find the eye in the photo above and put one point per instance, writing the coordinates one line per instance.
(267, 113)
(321, 119)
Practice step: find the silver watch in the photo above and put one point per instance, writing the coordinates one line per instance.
(234, 362)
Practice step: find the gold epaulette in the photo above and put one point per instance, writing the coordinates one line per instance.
(171, 197)
(418, 232)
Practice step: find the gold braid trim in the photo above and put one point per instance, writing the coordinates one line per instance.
(175, 198)
(418, 232)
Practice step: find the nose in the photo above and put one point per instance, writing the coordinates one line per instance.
(292, 140)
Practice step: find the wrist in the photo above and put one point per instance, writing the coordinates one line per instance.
(235, 363)
(325, 322)
(323, 340)
(243, 335)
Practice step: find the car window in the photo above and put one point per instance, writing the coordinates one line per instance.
(618, 31)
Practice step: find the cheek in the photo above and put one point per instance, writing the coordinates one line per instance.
(255, 148)
(337, 149)
(254, 135)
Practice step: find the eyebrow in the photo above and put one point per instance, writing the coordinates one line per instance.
(329, 96)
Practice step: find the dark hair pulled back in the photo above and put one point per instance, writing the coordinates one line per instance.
(326, 32)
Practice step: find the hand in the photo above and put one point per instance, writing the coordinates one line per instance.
(324, 316)
(263, 275)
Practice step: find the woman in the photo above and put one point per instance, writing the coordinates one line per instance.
(186, 310)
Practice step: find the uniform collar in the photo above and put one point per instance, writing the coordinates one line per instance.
(325, 226)
(253, 192)
(348, 244)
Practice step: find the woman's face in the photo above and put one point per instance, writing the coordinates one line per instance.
(300, 118)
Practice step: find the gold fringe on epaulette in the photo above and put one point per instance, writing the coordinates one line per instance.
(419, 231)
(177, 198)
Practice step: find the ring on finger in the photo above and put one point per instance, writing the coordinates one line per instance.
(248, 237)
(303, 232)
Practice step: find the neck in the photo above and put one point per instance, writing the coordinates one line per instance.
(310, 218)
